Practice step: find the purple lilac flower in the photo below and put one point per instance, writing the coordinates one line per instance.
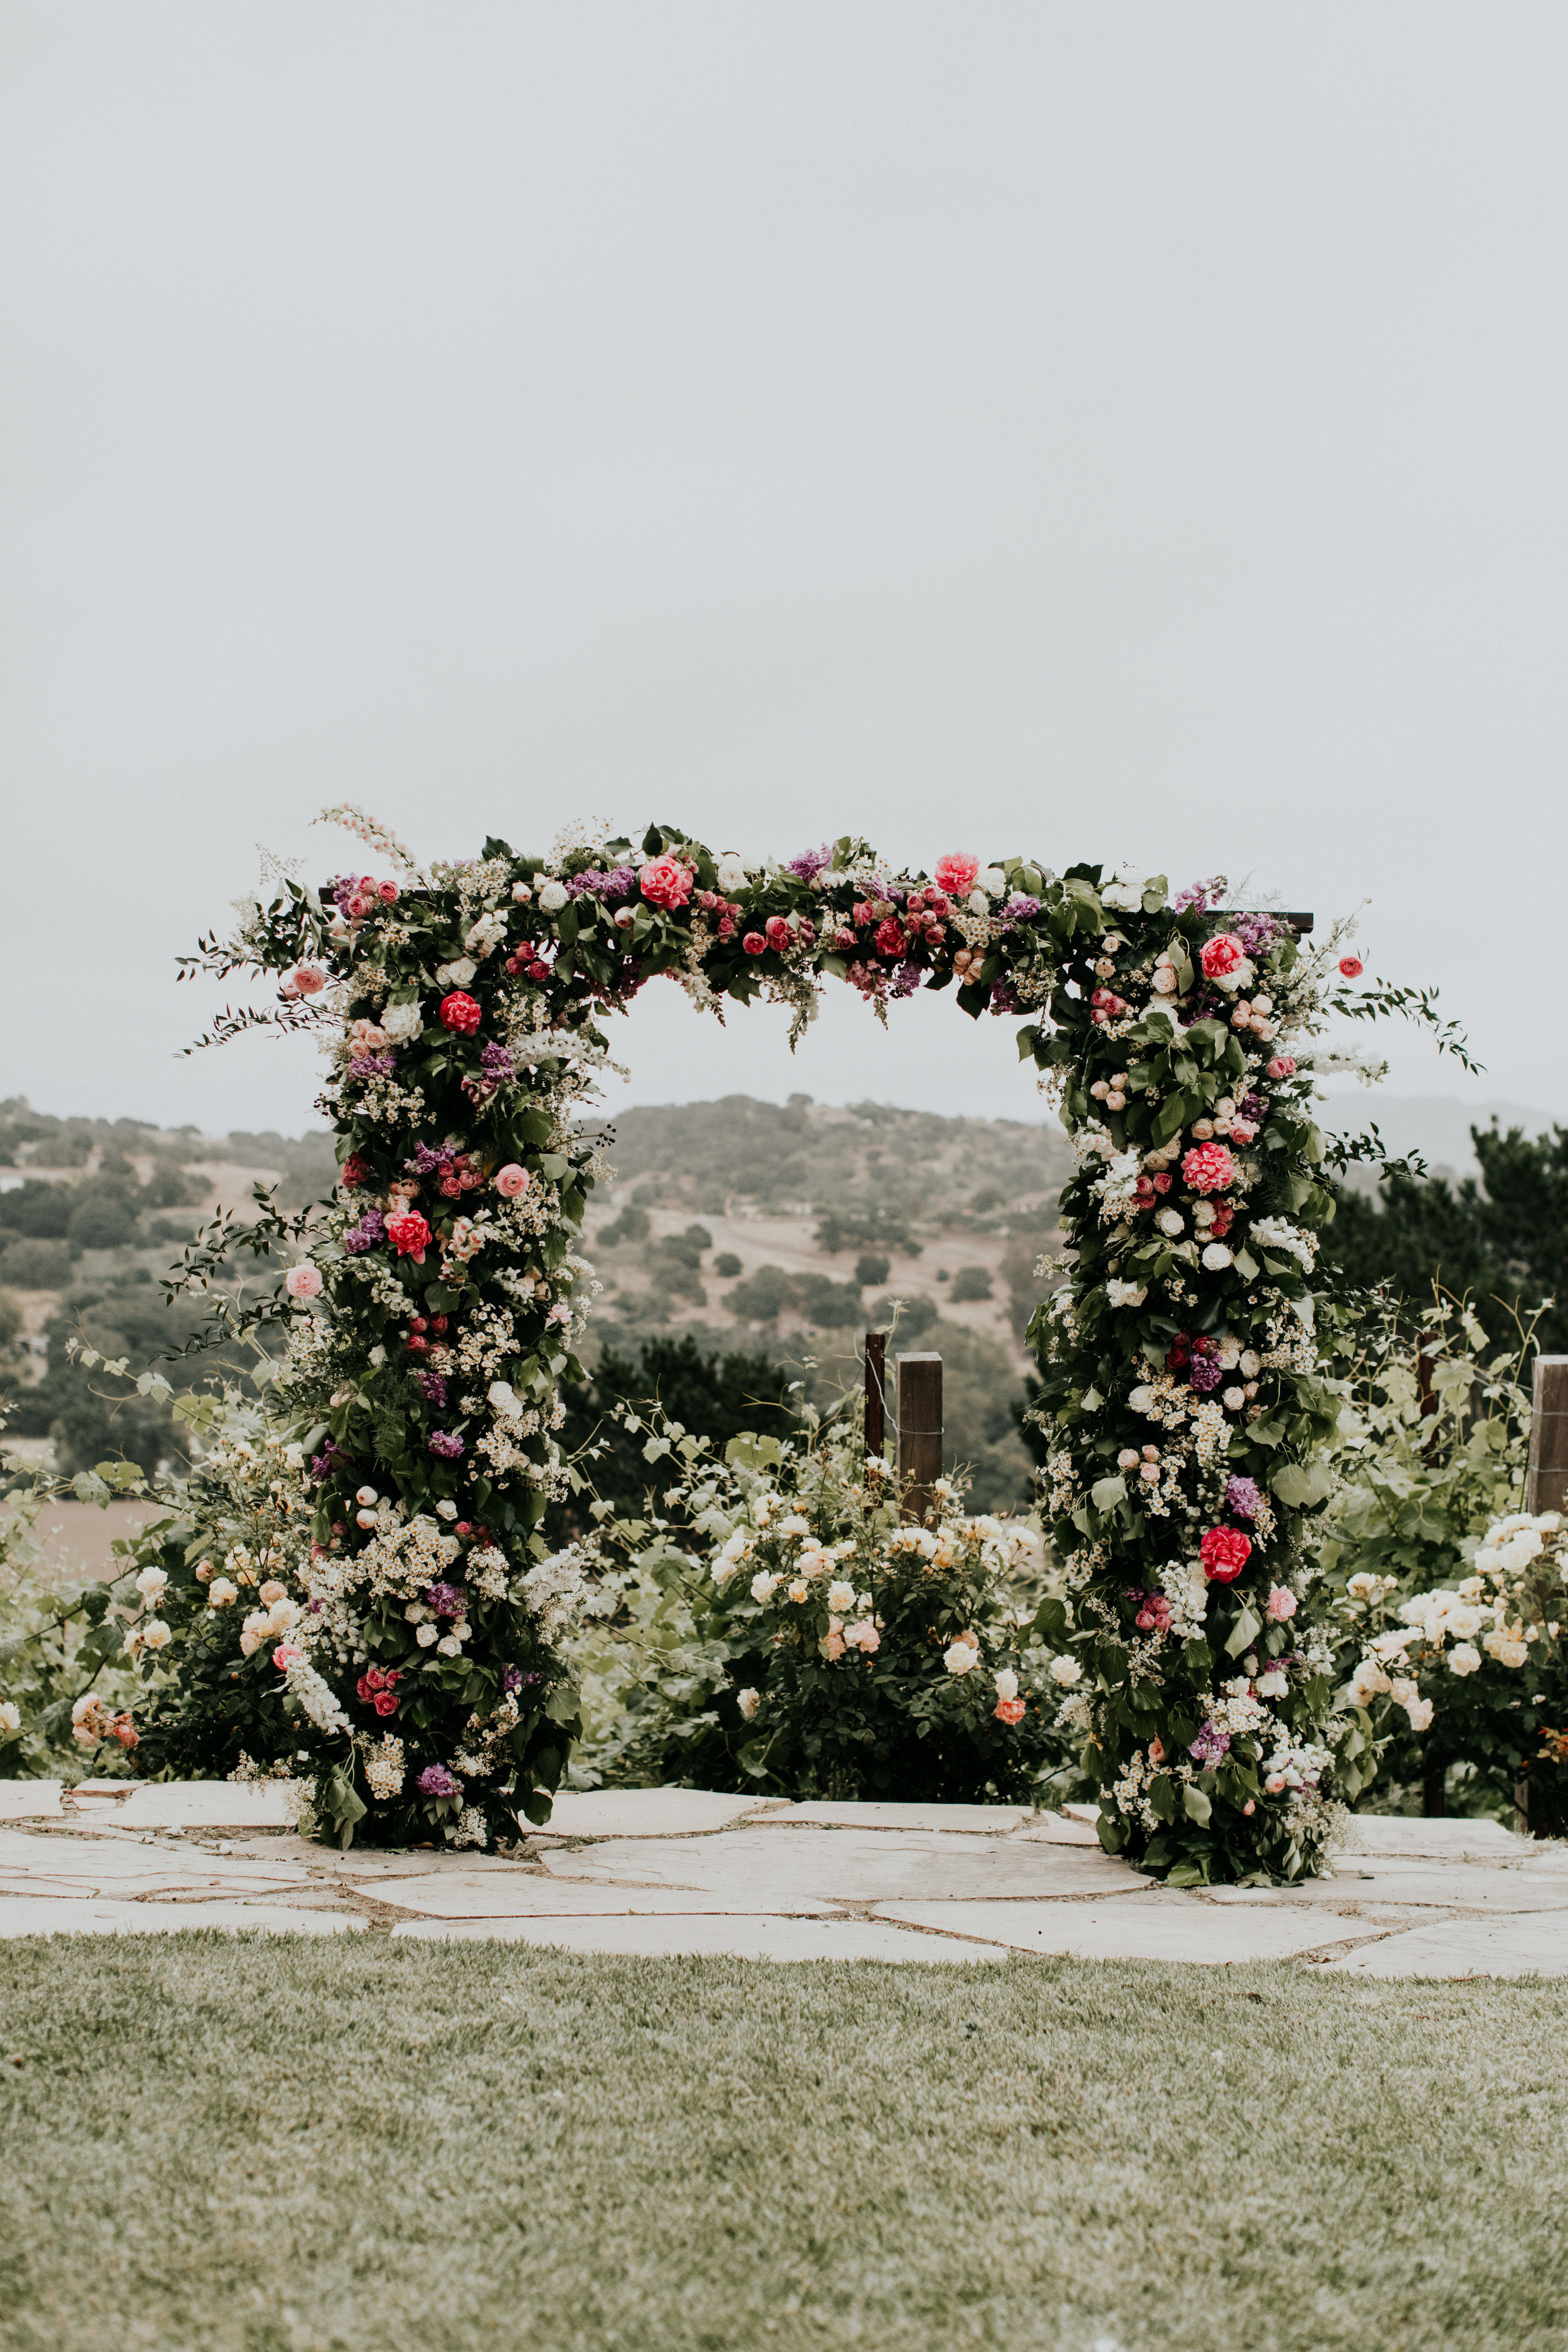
(1018, 909)
(427, 1163)
(1253, 1106)
(373, 1065)
(1003, 998)
(324, 1464)
(1197, 895)
(907, 978)
(1210, 1744)
(1205, 1375)
(437, 1781)
(1242, 1498)
(432, 1388)
(368, 1234)
(620, 882)
(510, 1680)
(1257, 933)
(449, 1448)
(496, 1064)
(447, 1600)
(810, 863)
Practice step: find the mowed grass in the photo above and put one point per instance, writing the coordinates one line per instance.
(281, 2143)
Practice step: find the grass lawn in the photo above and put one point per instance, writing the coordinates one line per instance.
(279, 2145)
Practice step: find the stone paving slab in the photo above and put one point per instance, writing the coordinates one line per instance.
(42, 1915)
(853, 1865)
(1164, 1926)
(647, 1813)
(525, 1894)
(127, 1866)
(1440, 1841)
(209, 1804)
(1467, 1947)
(986, 1821)
(22, 1800)
(1452, 1887)
(752, 1938)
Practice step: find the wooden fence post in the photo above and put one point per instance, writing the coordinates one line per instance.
(1547, 1484)
(875, 1392)
(919, 1432)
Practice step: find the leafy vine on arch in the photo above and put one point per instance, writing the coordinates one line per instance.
(415, 1611)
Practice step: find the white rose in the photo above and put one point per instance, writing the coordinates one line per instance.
(730, 875)
(553, 898)
(1066, 1670)
(1165, 980)
(1125, 1294)
(960, 1659)
(150, 1585)
(1251, 1364)
(1464, 1658)
(1216, 1255)
(156, 1634)
(748, 1701)
(1006, 1683)
(401, 1024)
(764, 1586)
(1140, 1398)
(426, 1635)
(1419, 1710)
(462, 1630)
(221, 1593)
(841, 1598)
(10, 1717)
(449, 1646)
(1274, 1683)
(994, 881)
(503, 1399)
(1169, 1221)
(446, 1510)
(457, 974)
(978, 903)
(793, 1524)
(799, 1591)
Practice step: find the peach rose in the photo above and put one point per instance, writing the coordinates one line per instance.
(303, 1281)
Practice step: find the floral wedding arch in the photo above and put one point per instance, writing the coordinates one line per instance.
(1184, 1357)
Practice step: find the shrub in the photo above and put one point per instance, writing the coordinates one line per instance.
(727, 1265)
(27, 1265)
(42, 1212)
(101, 1224)
(783, 1630)
(872, 1269)
(971, 1282)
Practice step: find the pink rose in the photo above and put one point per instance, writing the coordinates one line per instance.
(864, 1635)
(890, 937)
(1010, 1710)
(287, 1654)
(1222, 954)
(1281, 1604)
(666, 882)
(1283, 1065)
(409, 1235)
(832, 1643)
(1350, 966)
(303, 1281)
(754, 943)
(387, 893)
(1242, 1130)
(511, 1179)
(306, 979)
(956, 875)
(777, 931)
(1208, 1168)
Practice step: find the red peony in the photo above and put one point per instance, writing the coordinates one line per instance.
(409, 1234)
(666, 882)
(1226, 1552)
(956, 875)
(890, 937)
(1350, 966)
(1222, 954)
(461, 1013)
(1208, 1168)
(754, 943)
(354, 1171)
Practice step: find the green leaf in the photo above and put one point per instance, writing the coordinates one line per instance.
(1197, 1806)
(1243, 1633)
(1106, 1493)
(1298, 1484)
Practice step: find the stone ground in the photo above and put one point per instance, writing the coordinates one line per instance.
(668, 1871)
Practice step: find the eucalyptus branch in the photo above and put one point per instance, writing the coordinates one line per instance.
(1384, 1000)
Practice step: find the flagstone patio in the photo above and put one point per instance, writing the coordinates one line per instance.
(668, 1871)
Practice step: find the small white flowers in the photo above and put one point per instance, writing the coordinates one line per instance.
(748, 1701)
(1067, 1671)
(1127, 1294)
(553, 898)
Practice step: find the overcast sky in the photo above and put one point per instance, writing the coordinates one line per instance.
(1099, 431)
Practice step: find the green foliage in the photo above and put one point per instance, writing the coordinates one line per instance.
(1502, 1242)
(871, 1269)
(59, 1641)
(868, 1227)
(971, 1282)
(727, 1265)
(765, 1295)
(40, 1211)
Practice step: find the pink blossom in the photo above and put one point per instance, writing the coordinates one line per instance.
(833, 1642)
(864, 1636)
(307, 980)
(287, 1654)
(1222, 954)
(387, 893)
(511, 1181)
(1351, 967)
(1283, 1065)
(1281, 1603)
(410, 1236)
(956, 874)
(303, 1281)
(666, 882)
(754, 943)
(777, 931)
(1208, 1168)
(1010, 1710)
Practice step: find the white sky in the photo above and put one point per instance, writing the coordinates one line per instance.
(1125, 432)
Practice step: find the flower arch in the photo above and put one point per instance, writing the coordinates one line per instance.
(1184, 1358)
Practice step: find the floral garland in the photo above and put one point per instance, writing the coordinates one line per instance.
(431, 1322)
